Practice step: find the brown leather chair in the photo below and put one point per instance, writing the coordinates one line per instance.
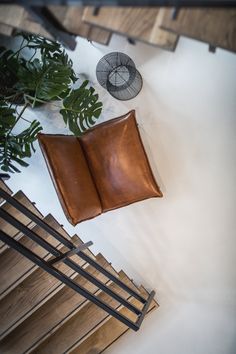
(105, 169)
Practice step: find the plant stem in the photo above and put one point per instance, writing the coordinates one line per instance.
(18, 118)
(19, 50)
(21, 112)
(26, 120)
(35, 51)
(35, 99)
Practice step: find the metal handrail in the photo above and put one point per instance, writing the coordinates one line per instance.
(11, 200)
(64, 257)
(64, 279)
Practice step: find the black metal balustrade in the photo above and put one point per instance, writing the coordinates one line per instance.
(49, 266)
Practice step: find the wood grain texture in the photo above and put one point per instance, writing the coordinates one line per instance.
(11, 15)
(71, 19)
(108, 332)
(79, 325)
(76, 240)
(216, 27)
(137, 23)
(6, 31)
(52, 315)
(14, 267)
(3, 185)
(29, 295)
(17, 17)
(7, 228)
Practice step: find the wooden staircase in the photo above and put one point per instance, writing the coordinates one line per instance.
(41, 314)
(159, 26)
(16, 18)
(136, 23)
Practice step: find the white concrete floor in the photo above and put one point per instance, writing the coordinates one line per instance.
(183, 245)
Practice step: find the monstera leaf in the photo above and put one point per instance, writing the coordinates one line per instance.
(7, 118)
(15, 147)
(45, 80)
(49, 50)
(8, 72)
(45, 75)
(46, 46)
(81, 109)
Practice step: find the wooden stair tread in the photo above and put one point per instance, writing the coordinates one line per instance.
(53, 314)
(14, 267)
(3, 185)
(11, 230)
(5, 30)
(11, 14)
(17, 17)
(30, 294)
(99, 35)
(71, 19)
(214, 26)
(100, 339)
(76, 240)
(137, 23)
(80, 324)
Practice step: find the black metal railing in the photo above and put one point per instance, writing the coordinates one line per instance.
(59, 256)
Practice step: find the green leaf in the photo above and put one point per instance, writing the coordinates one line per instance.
(15, 147)
(7, 117)
(8, 70)
(81, 109)
(46, 80)
(20, 161)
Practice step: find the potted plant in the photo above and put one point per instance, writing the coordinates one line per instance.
(44, 75)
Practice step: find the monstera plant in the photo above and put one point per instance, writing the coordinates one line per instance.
(38, 72)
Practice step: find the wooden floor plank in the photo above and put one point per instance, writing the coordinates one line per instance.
(79, 325)
(71, 19)
(52, 315)
(137, 23)
(29, 295)
(110, 331)
(6, 227)
(14, 267)
(216, 27)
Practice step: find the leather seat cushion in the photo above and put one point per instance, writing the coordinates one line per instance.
(118, 163)
(71, 176)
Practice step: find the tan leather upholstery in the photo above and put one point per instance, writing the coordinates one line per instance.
(71, 177)
(105, 169)
(118, 163)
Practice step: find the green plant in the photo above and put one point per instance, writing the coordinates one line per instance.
(47, 75)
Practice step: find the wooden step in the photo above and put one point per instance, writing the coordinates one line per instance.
(30, 294)
(134, 22)
(11, 15)
(3, 185)
(217, 27)
(5, 30)
(76, 240)
(14, 267)
(80, 324)
(52, 315)
(71, 19)
(108, 332)
(17, 17)
(11, 230)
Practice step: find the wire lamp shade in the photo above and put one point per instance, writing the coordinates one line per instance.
(117, 73)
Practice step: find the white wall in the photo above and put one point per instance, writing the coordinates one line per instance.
(183, 245)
